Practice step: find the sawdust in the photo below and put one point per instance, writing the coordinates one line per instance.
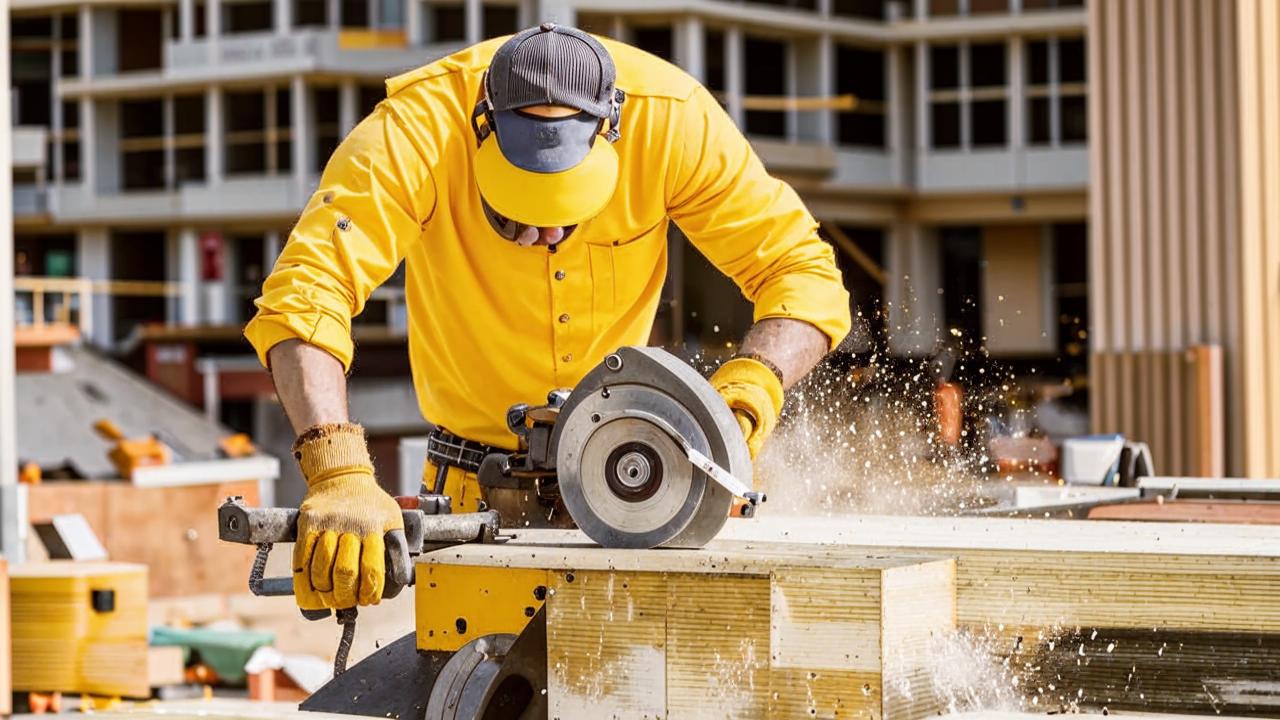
(846, 445)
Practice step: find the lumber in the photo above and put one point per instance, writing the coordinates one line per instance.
(80, 627)
(730, 630)
(1203, 511)
(6, 661)
(1027, 587)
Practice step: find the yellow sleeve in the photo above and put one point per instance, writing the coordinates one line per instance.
(374, 196)
(752, 226)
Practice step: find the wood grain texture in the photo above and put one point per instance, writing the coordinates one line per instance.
(739, 630)
(606, 645)
(6, 643)
(718, 647)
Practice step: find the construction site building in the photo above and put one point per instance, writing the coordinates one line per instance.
(943, 145)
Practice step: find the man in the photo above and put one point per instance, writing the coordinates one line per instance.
(529, 198)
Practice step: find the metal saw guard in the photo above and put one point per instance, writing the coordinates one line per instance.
(721, 439)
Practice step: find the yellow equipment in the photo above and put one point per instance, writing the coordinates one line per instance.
(80, 627)
(128, 454)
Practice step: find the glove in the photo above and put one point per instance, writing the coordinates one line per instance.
(754, 393)
(338, 559)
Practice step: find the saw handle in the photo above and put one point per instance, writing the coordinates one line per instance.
(265, 527)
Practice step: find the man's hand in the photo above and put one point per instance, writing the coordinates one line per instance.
(754, 393)
(789, 350)
(338, 560)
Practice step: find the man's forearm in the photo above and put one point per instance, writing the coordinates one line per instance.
(310, 384)
(793, 346)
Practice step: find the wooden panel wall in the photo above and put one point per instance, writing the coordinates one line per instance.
(1185, 222)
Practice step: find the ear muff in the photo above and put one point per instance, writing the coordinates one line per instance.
(615, 116)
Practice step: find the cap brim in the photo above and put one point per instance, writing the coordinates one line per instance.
(543, 199)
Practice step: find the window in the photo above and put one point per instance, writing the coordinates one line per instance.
(310, 13)
(140, 40)
(246, 17)
(713, 64)
(797, 4)
(188, 138)
(987, 88)
(447, 23)
(861, 72)
(355, 13)
(324, 101)
(142, 144)
(765, 75)
(259, 131)
(370, 95)
(1051, 4)
(861, 9)
(501, 20)
(984, 7)
(1057, 102)
(943, 8)
(656, 40)
(70, 140)
(968, 95)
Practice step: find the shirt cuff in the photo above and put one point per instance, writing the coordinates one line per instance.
(265, 331)
(822, 304)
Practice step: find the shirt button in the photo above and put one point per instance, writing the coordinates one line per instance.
(567, 357)
(564, 318)
(559, 274)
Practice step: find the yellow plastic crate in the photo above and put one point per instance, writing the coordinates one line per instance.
(80, 628)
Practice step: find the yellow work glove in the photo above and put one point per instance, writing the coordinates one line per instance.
(754, 393)
(338, 560)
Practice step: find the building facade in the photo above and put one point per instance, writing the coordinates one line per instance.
(164, 147)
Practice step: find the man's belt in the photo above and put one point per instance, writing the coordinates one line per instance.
(444, 449)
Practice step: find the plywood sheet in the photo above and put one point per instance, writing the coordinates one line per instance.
(172, 530)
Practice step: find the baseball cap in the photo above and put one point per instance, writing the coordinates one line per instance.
(548, 171)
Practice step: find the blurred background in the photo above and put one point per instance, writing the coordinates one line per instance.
(1059, 222)
(1055, 218)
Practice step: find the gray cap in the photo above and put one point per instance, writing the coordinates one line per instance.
(552, 65)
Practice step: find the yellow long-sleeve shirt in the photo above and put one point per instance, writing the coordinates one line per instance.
(492, 323)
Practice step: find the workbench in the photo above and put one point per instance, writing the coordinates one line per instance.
(815, 617)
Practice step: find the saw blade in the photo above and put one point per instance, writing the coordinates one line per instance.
(622, 452)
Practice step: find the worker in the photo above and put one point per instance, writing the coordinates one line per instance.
(528, 195)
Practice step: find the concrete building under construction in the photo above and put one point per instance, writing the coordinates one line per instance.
(162, 150)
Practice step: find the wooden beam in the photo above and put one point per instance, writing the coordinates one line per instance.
(648, 633)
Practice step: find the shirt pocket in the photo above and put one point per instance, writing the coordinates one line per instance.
(626, 275)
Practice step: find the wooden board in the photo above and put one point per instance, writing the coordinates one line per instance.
(6, 643)
(1023, 583)
(172, 530)
(1201, 511)
(736, 630)
(1207, 673)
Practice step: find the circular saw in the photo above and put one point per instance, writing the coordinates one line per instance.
(648, 454)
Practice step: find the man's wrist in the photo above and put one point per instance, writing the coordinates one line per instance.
(763, 361)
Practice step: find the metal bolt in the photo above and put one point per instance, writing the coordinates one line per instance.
(613, 362)
(559, 274)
